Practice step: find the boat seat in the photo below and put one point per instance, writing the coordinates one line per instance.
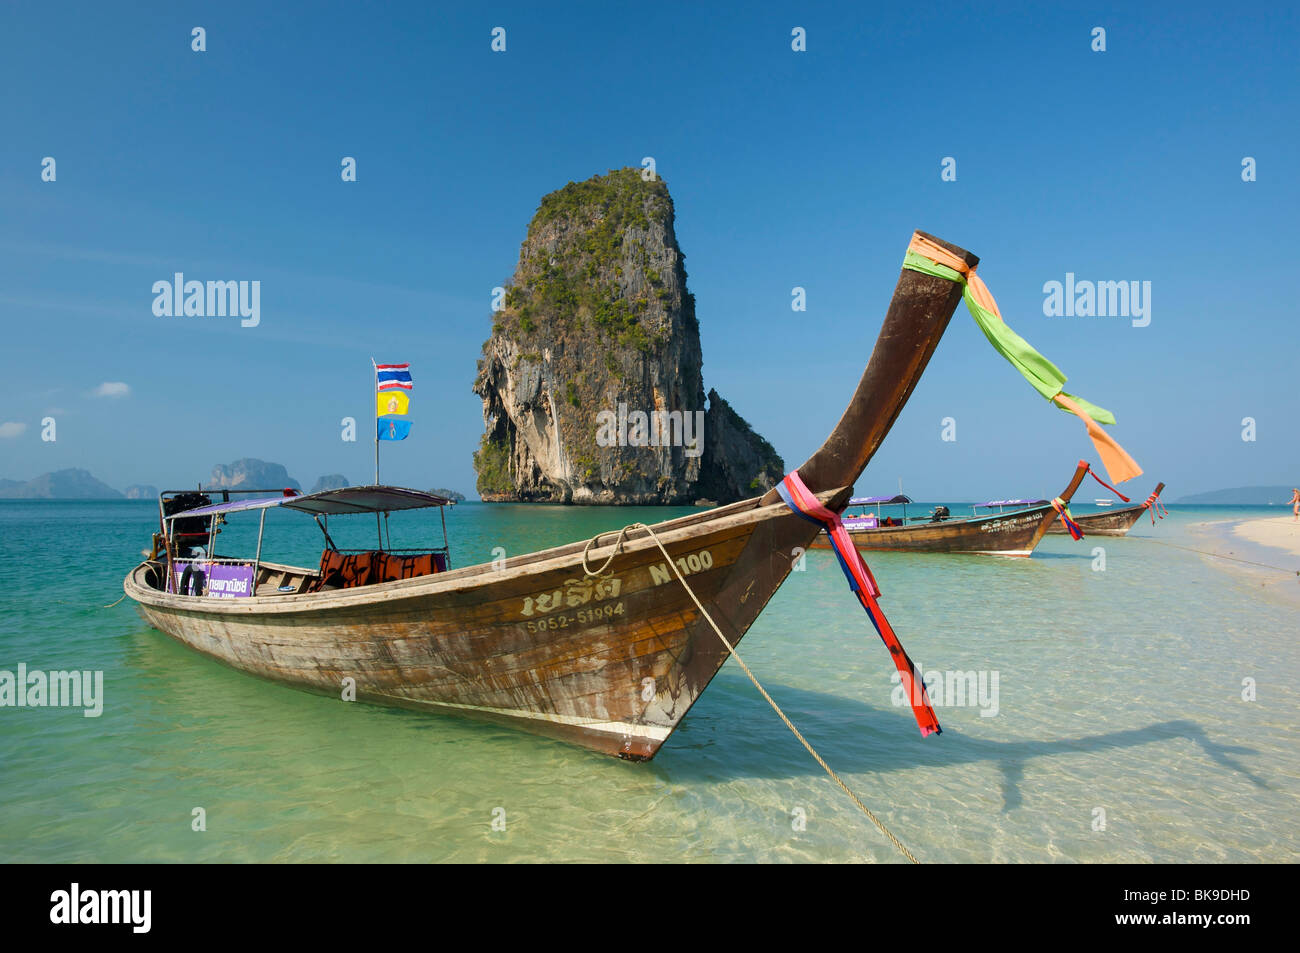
(392, 566)
(343, 570)
(348, 570)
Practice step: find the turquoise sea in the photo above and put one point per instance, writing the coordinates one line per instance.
(1120, 734)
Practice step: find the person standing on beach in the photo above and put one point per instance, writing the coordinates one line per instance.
(1295, 503)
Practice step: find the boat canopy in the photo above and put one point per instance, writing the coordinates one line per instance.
(1011, 503)
(231, 506)
(349, 499)
(878, 500)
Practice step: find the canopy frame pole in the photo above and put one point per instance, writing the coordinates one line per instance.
(257, 559)
(323, 523)
(446, 547)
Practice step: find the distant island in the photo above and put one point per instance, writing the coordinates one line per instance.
(1243, 496)
(71, 484)
(246, 474)
(448, 494)
(330, 481)
(251, 474)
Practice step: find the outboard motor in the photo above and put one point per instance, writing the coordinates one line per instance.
(193, 532)
(940, 514)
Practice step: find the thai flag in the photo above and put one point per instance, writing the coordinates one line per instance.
(392, 376)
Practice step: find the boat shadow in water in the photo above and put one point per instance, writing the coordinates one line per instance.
(860, 739)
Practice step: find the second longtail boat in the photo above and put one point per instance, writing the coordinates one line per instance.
(1116, 522)
(1007, 532)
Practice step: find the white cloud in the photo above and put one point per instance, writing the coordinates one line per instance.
(111, 389)
(11, 428)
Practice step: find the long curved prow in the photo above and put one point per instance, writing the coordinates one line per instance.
(917, 317)
(1066, 495)
(1079, 473)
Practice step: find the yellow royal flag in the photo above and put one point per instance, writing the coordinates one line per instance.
(391, 402)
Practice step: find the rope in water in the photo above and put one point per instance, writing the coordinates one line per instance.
(762, 691)
(1206, 552)
(64, 602)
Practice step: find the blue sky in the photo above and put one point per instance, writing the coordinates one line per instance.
(787, 169)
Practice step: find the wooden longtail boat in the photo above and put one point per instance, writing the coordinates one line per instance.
(1012, 532)
(611, 663)
(1112, 522)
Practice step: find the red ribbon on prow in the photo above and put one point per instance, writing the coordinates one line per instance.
(1155, 505)
(1107, 485)
(805, 504)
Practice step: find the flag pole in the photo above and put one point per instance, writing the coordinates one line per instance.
(374, 398)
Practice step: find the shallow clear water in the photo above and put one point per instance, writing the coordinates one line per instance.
(1118, 690)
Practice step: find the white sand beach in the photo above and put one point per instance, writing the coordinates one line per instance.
(1264, 550)
(1278, 532)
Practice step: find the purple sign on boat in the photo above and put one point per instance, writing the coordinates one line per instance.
(220, 580)
(229, 582)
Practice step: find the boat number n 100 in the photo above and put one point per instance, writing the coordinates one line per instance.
(695, 562)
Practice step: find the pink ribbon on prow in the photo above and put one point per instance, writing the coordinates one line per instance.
(805, 503)
(835, 528)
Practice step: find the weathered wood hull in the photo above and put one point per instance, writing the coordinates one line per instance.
(1110, 523)
(612, 663)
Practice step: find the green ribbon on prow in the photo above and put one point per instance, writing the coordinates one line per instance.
(1045, 376)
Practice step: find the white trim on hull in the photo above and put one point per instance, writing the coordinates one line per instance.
(623, 729)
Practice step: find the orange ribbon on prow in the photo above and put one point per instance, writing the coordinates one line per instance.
(1119, 465)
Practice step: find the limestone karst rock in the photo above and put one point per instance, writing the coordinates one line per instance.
(591, 380)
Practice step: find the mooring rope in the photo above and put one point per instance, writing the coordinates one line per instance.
(618, 544)
(902, 849)
(65, 602)
(1206, 552)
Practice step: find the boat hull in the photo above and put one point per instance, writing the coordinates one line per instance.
(1114, 523)
(1005, 534)
(1111, 523)
(1002, 534)
(612, 663)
